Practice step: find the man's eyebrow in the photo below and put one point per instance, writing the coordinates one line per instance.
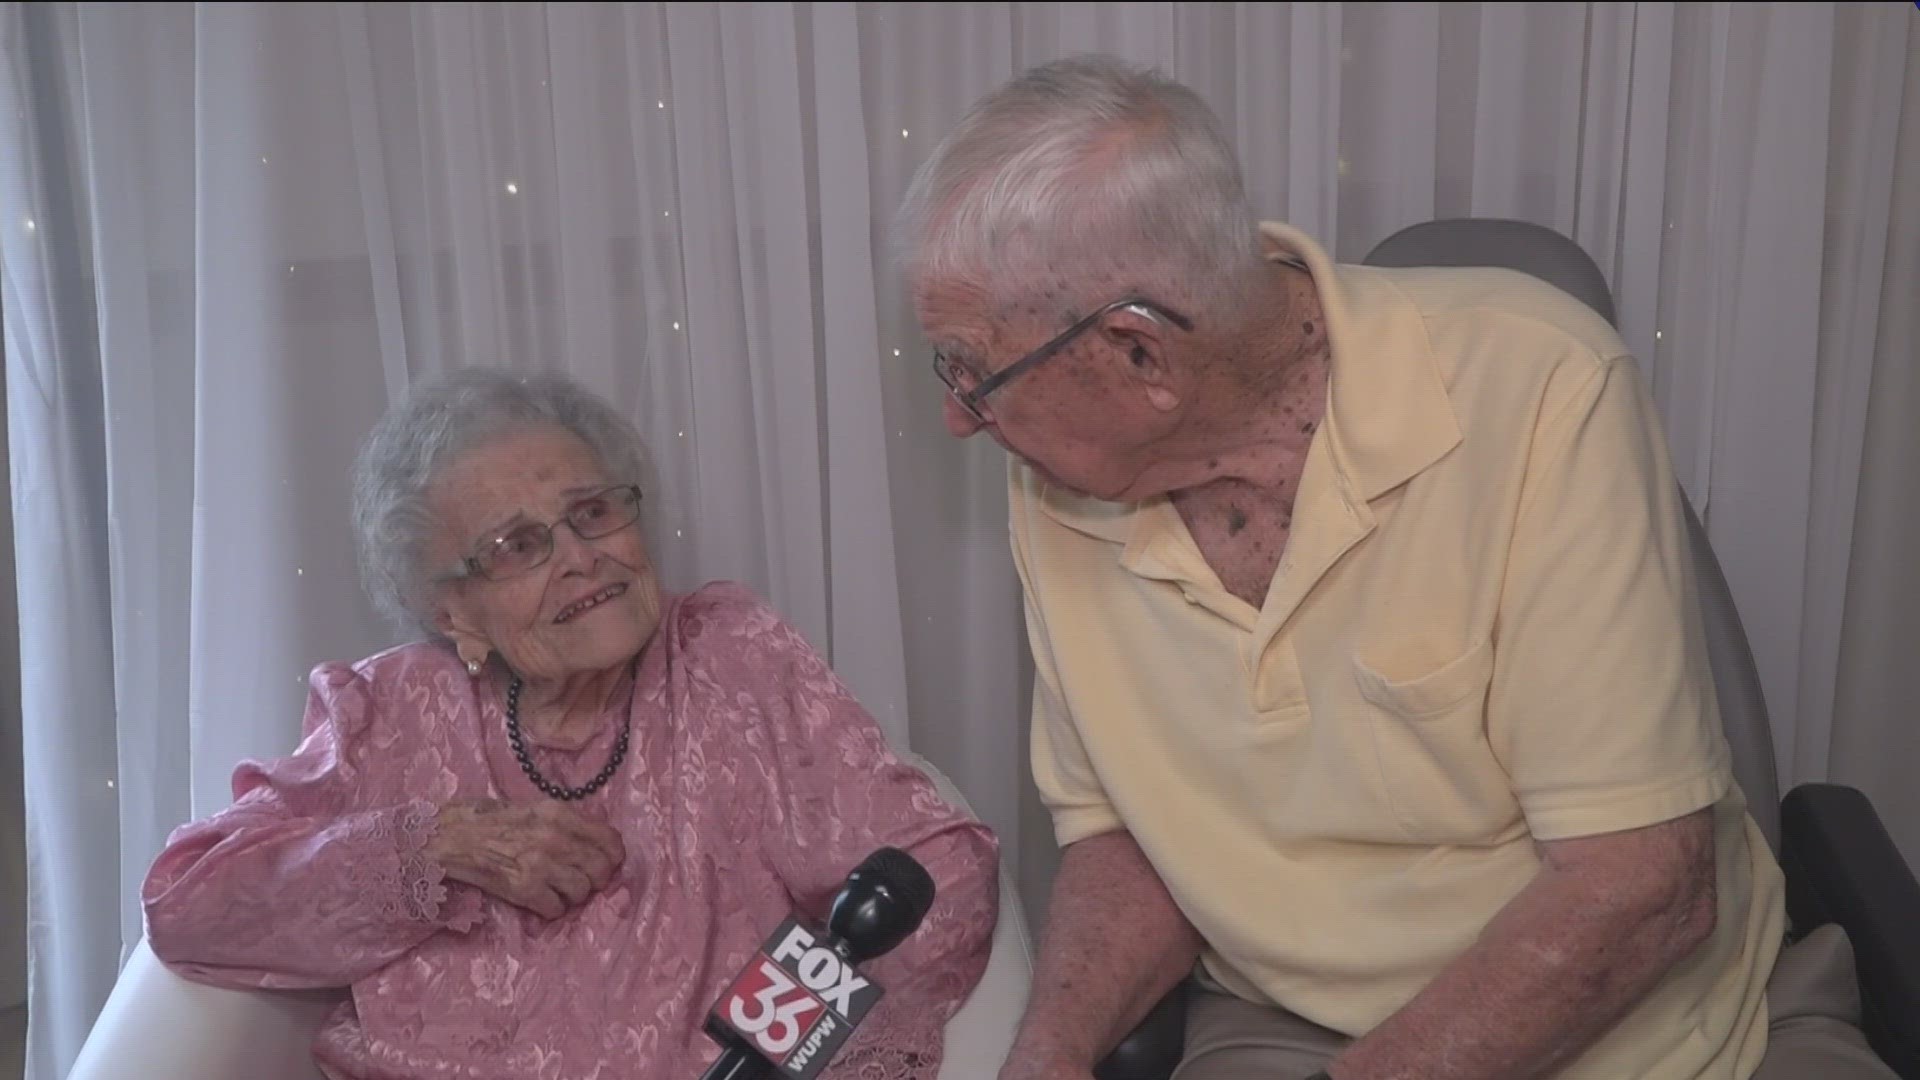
(957, 351)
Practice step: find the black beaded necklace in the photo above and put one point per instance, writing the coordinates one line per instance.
(561, 791)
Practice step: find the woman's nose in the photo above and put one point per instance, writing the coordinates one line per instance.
(570, 552)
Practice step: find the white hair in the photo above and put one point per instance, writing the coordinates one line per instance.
(436, 424)
(1080, 175)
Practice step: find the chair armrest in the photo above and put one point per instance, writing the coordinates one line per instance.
(1842, 867)
(980, 1034)
(1153, 1049)
(159, 1026)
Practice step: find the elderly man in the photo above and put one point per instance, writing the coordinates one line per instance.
(1369, 674)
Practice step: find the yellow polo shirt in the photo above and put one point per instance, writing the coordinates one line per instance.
(1483, 633)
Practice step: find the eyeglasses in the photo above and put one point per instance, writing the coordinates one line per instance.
(529, 544)
(969, 390)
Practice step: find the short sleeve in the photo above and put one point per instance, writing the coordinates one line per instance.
(1601, 707)
(1062, 771)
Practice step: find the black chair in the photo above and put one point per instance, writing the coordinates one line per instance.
(1841, 865)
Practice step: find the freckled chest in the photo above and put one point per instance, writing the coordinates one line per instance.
(1241, 530)
(1242, 537)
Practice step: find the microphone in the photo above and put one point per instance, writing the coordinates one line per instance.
(800, 997)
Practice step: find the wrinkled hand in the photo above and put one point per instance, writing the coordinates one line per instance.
(544, 857)
(1030, 1070)
(1041, 1065)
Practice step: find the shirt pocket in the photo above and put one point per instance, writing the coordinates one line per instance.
(1425, 711)
(1428, 692)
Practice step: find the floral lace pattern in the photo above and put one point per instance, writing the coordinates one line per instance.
(754, 783)
(399, 880)
(902, 1058)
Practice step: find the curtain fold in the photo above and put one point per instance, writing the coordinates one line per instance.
(1873, 88)
(57, 458)
(1873, 739)
(230, 234)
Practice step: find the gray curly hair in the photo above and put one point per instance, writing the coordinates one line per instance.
(434, 425)
(1087, 163)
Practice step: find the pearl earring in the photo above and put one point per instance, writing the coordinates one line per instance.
(473, 668)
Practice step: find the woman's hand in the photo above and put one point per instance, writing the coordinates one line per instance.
(544, 857)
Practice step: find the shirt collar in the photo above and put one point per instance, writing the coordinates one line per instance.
(1388, 416)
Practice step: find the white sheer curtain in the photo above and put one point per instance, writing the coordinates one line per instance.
(231, 232)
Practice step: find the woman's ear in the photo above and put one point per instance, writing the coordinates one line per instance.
(472, 646)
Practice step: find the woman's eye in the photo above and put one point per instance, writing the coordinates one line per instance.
(518, 542)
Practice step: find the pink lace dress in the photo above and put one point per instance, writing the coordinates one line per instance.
(753, 784)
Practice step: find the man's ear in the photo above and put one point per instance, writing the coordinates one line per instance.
(1142, 339)
(1149, 368)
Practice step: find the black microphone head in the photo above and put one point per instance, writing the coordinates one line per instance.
(881, 904)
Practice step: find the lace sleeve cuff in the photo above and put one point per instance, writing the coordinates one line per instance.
(896, 1051)
(397, 877)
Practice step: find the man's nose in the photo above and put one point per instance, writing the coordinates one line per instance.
(960, 422)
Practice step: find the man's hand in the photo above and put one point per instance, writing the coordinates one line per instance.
(1115, 943)
(1041, 1066)
(545, 857)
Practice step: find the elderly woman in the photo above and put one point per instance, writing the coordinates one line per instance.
(541, 842)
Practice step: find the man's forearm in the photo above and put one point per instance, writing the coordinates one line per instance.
(1557, 968)
(1115, 944)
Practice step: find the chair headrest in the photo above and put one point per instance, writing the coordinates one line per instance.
(1514, 245)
